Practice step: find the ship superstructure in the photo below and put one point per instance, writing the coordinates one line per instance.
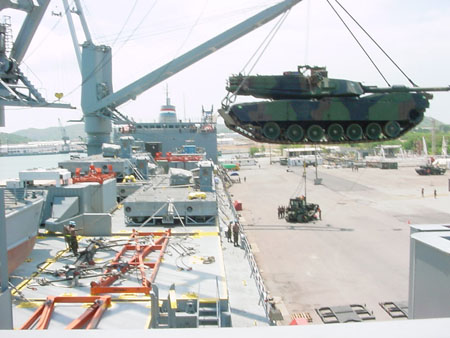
(171, 134)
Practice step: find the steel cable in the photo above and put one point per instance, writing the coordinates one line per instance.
(373, 40)
(359, 43)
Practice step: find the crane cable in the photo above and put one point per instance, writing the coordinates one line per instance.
(102, 63)
(376, 44)
(359, 43)
(231, 97)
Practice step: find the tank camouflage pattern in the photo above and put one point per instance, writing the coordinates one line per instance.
(316, 109)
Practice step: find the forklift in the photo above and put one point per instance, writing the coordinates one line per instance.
(298, 210)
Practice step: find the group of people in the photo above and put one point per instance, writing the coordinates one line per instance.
(281, 211)
(233, 228)
(434, 193)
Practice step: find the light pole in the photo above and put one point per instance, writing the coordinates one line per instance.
(317, 180)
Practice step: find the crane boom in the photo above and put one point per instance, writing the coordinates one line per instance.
(29, 27)
(99, 101)
(15, 88)
(162, 73)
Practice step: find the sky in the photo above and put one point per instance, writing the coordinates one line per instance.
(146, 34)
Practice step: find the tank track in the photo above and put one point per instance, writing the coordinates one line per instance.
(257, 135)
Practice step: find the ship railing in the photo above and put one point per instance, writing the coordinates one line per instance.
(135, 171)
(218, 309)
(264, 295)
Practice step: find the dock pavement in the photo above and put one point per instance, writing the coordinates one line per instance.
(358, 253)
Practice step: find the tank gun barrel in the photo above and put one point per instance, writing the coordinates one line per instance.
(315, 109)
(397, 89)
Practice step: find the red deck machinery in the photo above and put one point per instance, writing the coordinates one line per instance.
(94, 175)
(121, 264)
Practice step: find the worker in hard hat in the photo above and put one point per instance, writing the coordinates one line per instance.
(70, 237)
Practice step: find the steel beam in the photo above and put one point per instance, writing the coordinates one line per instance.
(161, 74)
(27, 30)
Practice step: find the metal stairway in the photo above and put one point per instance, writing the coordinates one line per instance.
(208, 313)
(13, 196)
(136, 171)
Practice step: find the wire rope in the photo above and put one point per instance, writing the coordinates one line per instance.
(182, 26)
(40, 44)
(263, 47)
(125, 23)
(191, 29)
(359, 43)
(100, 65)
(373, 40)
(266, 42)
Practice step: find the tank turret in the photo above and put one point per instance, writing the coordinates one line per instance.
(312, 108)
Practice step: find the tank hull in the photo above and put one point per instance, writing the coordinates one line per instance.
(369, 118)
(428, 170)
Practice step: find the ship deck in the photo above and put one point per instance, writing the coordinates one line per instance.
(198, 261)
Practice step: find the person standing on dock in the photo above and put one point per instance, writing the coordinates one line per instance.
(229, 232)
(236, 234)
(435, 193)
(423, 191)
(70, 237)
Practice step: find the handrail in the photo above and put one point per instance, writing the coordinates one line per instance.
(255, 273)
(219, 316)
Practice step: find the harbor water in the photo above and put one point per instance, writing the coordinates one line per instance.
(11, 165)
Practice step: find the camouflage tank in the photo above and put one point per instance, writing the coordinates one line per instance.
(313, 108)
(429, 169)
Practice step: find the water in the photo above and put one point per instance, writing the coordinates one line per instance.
(11, 165)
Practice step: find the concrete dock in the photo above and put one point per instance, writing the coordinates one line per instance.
(358, 253)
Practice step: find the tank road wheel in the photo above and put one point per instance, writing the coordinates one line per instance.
(392, 129)
(335, 132)
(373, 131)
(354, 132)
(295, 133)
(271, 130)
(415, 117)
(314, 133)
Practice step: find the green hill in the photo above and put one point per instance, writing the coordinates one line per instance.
(428, 123)
(74, 132)
(6, 138)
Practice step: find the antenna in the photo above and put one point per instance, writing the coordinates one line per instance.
(167, 94)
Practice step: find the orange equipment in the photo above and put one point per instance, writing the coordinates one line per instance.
(137, 260)
(89, 319)
(94, 175)
(178, 157)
